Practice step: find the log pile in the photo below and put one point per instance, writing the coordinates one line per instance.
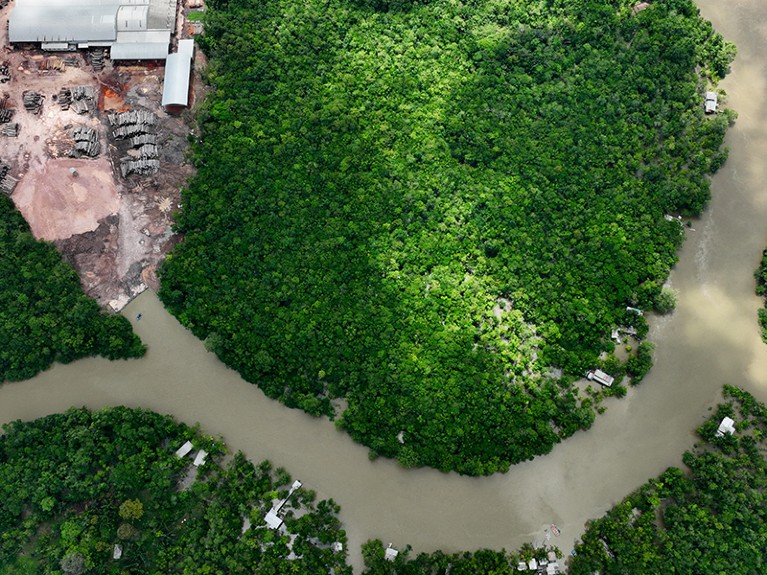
(7, 183)
(80, 98)
(138, 127)
(83, 99)
(140, 117)
(10, 130)
(97, 58)
(6, 113)
(5, 73)
(64, 98)
(142, 139)
(33, 101)
(86, 142)
(141, 166)
(148, 151)
(122, 132)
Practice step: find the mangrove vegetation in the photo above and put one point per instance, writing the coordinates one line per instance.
(44, 314)
(709, 518)
(105, 493)
(437, 210)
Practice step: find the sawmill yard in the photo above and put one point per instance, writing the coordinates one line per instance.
(95, 165)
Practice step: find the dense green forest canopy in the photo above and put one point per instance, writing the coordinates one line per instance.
(75, 485)
(481, 562)
(761, 290)
(711, 519)
(421, 207)
(44, 314)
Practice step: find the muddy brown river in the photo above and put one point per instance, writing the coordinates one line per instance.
(711, 339)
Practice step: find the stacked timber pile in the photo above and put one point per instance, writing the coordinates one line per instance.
(80, 98)
(86, 142)
(143, 118)
(33, 101)
(6, 113)
(64, 98)
(141, 139)
(138, 127)
(83, 99)
(52, 63)
(97, 58)
(71, 61)
(7, 183)
(142, 166)
(5, 73)
(148, 151)
(10, 130)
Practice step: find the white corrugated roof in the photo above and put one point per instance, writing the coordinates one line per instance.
(178, 66)
(162, 13)
(186, 48)
(184, 449)
(139, 51)
(202, 455)
(88, 21)
(132, 17)
(43, 22)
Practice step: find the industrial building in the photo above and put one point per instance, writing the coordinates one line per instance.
(131, 29)
(178, 67)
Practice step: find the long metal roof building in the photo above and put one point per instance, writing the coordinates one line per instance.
(133, 29)
(33, 21)
(178, 66)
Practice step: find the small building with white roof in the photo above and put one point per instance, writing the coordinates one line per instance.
(202, 455)
(391, 553)
(272, 519)
(710, 102)
(184, 449)
(726, 426)
(600, 377)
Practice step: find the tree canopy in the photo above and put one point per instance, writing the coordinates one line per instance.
(73, 486)
(711, 518)
(761, 290)
(44, 314)
(422, 207)
(481, 562)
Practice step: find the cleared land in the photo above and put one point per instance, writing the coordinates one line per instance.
(58, 204)
(114, 230)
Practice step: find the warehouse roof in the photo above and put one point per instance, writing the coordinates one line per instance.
(94, 22)
(139, 51)
(132, 17)
(51, 21)
(177, 69)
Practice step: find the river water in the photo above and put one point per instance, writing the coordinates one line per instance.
(711, 339)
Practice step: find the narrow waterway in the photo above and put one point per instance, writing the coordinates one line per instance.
(711, 339)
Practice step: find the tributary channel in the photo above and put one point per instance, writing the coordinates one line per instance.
(711, 339)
